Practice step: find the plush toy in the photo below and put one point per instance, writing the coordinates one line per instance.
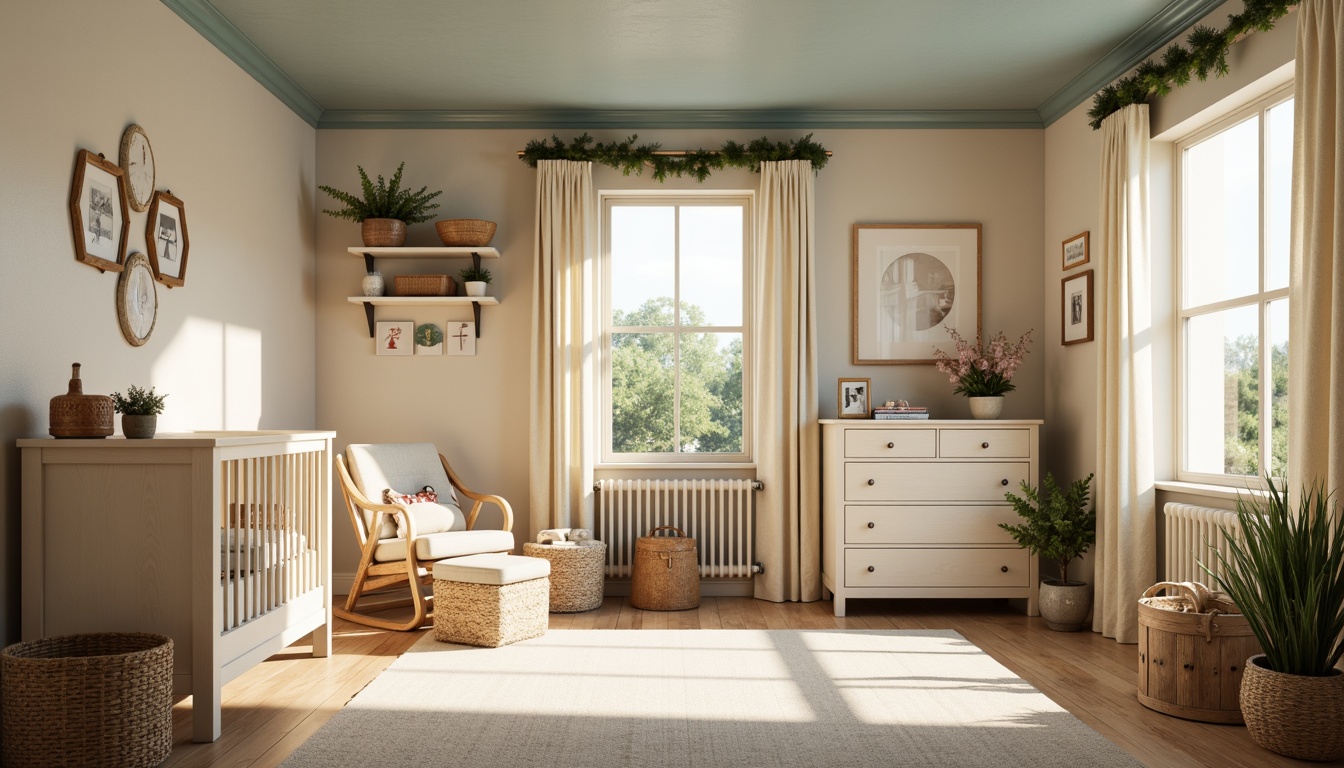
(553, 535)
(579, 535)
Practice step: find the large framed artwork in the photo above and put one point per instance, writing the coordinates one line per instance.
(911, 284)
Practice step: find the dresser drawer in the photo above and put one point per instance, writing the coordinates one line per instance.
(928, 524)
(936, 568)
(933, 481)
(891, 443)
(984, 443)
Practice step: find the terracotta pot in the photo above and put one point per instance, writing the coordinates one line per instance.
(986, 407)
(378, 233)
(1064, 605)
(1294, 715)
(139, 426)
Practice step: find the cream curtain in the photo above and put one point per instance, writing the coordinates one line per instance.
(788, 519)
(1126, 556)
(1316, 297)
(562, 347)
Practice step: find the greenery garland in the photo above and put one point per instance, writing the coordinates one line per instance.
(1207, 52)
(628, 158)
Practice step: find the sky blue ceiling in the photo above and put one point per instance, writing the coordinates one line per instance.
(685, 63)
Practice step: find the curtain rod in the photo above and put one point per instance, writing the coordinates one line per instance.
(677, 152)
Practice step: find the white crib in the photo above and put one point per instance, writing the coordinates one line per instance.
(220, 540)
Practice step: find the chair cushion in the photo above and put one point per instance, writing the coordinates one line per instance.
(496, 570)
(437, 546)
(401, 466)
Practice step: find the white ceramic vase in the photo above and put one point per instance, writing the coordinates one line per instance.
(986, 407)
(372, 284)
(475, 287)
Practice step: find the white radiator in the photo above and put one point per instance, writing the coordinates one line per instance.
(719, 514)
(1193, 534)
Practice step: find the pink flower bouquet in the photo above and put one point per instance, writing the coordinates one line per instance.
(983, 370)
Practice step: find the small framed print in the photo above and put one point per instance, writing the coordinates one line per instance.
(428, 339)
(461, 338)
(1076, 251)
(98, 212)
(1077, 308)
(395, 338)
(166, 239)
(852, 398)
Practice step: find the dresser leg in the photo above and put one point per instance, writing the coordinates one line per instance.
(839, 605)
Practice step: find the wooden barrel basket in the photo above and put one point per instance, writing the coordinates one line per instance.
(666, 574)
(1193, 647)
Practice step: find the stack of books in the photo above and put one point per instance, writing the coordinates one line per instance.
(900, 412)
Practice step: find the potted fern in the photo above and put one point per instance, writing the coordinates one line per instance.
(385, 208)
(1059, 526)
(1286, 574)
(139, 409)
(474, 280)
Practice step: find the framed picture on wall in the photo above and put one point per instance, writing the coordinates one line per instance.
(98, 212)
(395, 338)
(853, 398)
(1077, 308)
(166, 239)
(1076, 251)
(911, 284)
(461, 338)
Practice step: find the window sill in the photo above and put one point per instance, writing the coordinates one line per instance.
(1226, 492)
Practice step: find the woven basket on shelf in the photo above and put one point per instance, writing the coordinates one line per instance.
(465, 232)
(1294, 715)
(424, 285)
(380, 233)
(577, 575)
(103, 699)
(666, 575)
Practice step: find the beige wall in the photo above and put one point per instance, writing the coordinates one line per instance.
(475, 409)
(234, 347)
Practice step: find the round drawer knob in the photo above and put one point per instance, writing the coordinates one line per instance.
(891, 445)
(874, 482)
(872, 525)
(984, 445)
(1005, 481)
(1004, 569)
(871, 569)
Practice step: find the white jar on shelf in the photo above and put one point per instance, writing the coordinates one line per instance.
(372, 284)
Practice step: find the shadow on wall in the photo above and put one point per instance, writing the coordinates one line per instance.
(15, 421)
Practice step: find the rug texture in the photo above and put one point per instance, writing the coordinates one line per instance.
(781, 698)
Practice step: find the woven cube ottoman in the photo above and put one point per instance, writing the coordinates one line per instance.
(491, 600)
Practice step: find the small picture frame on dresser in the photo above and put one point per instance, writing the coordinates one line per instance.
(853, 398)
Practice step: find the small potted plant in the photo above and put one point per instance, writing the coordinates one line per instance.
(385, 209)
(139, 409)
(1285, 573)
(983, 372)
(1059, 526)
(474, 280)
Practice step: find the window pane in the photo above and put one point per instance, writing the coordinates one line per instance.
(642, 263)
(1221, 215)
(711, 393)
(1278, 192)
(711, 264)
(642, 397)
(1277, 331)
(1222, 392)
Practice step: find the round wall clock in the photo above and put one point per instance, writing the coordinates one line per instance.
(137, 300)
(137, 159)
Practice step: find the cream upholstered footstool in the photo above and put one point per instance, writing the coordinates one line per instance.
(491, 600)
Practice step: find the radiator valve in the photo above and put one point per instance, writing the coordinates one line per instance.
(756, 567)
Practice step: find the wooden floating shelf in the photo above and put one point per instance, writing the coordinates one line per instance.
(427, 252)
(369, 302)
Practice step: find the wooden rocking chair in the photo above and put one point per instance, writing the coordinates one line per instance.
(429, 532)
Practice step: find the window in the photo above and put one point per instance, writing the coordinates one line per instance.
(674, 329)
(1235, 186)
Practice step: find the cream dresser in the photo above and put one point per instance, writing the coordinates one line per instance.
(912, 508)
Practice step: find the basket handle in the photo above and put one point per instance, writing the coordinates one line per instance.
(1194, 592)
(680, 532)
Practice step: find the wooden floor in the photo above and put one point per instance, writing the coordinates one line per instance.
(277, 705)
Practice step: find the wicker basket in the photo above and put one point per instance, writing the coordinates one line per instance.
(1193, 647)
(666, 576)
(92, 700)
(577, 575)
(465, 232)
(379, 233)
(424, 285)
(1294, 715)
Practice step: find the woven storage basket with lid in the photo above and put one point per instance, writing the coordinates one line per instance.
(666, 574)
(1193, 647)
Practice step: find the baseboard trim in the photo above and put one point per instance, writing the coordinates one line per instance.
(341, 583)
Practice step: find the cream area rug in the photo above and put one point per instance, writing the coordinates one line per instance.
(685, 698)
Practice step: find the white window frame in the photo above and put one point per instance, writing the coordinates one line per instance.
(1261, 299)
(677, 459)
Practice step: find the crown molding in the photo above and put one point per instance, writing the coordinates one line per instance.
(676, 118)
(1144, 42)
(205, 19)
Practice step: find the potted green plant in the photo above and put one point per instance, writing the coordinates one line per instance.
(1285, 573)
(1059, 526)
(139, 409)
(474, 280)
(385, 208)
